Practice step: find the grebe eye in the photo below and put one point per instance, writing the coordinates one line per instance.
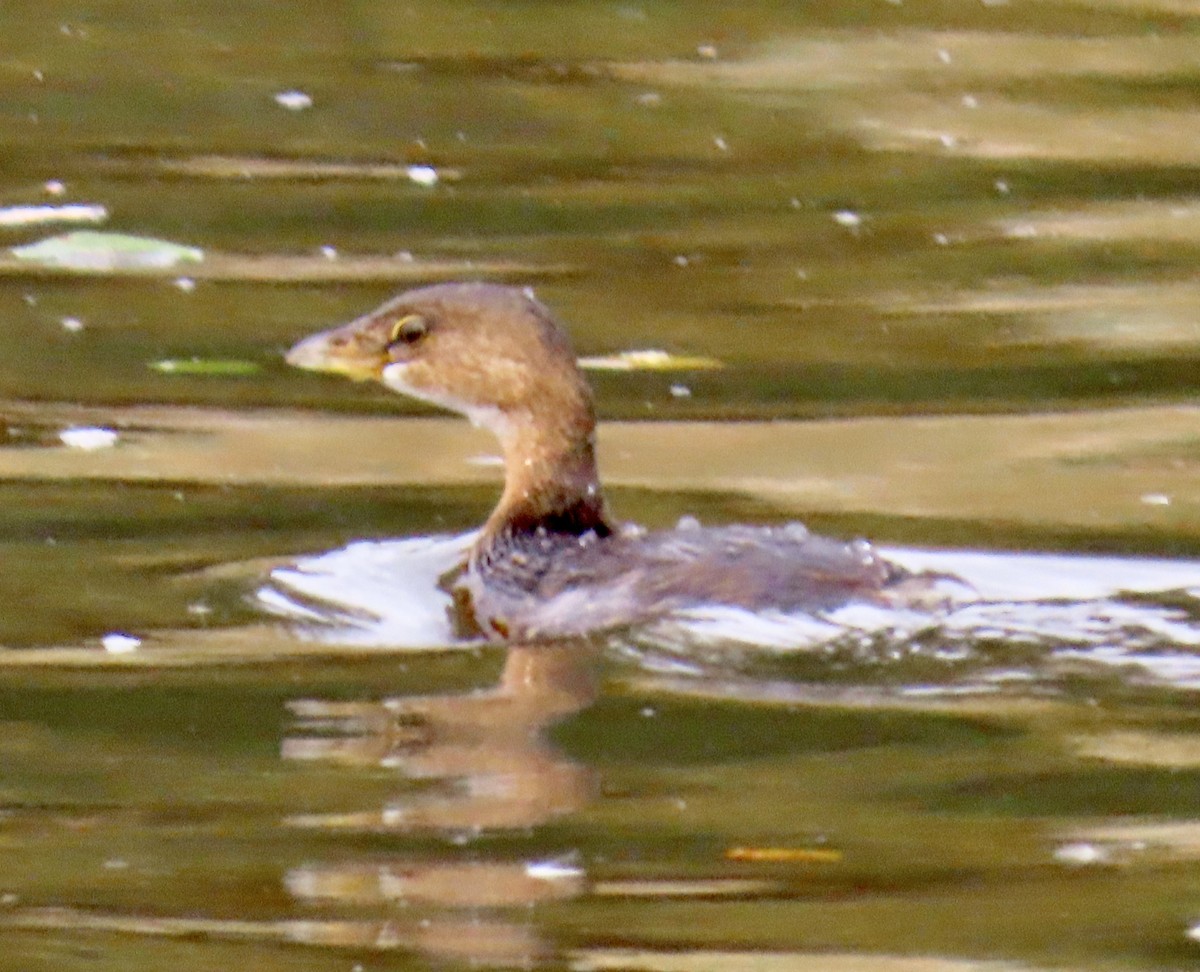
(409, 329)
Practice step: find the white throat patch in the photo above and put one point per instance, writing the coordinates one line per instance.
(481, 416)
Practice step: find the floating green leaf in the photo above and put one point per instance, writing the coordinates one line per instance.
(91, 250)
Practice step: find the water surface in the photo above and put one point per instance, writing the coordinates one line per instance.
(945, 255)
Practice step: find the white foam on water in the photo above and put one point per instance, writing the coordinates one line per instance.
(1079, 608)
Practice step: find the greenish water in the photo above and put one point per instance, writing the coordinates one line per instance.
(868, 212)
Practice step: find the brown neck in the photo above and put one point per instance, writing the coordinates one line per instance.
(550, 479)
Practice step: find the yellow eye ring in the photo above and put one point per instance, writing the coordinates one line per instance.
(409, 329)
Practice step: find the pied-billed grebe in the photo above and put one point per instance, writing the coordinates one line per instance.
(549, 562)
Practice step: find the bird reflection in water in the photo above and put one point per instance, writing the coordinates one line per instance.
(497, 772)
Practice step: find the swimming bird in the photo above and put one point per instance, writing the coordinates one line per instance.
(550, 562)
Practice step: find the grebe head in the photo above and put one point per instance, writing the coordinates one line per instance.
(496, 355)
(491, 353)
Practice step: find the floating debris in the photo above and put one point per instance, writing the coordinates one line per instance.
(117, 643)
(90, 250)
(54, 187)
(11, 216)
(88, 437)
(186, 284)
(223, 367)
(423, 175)
(71, 324)
(243, 167)
(788, 855)
(649, 360)
(294, 100)
(554, 869)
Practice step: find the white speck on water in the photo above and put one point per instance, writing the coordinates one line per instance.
(1081, 853)
(681, 260)
(53, 187)
(707, 51)
(947, 140)
(329, 252)
(9, 898)
(1194, 932)
(117, 643)
(186, 284)
(72, 324)
(38, 76)
(293, 100)
(405, 256)
(720, 143)
(1156, 499)
(422, 175)
(88, 438)
(848, 218)
(941, 239)
(484, 459)
(553, 870)
(970, 101)
(944, 56)
(680, 391)
(649, 712)
(648, 99)
(801, 273)
(30, 300)
(198, 609)
(116, 864)
(1022, 231)
(1002, 187)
